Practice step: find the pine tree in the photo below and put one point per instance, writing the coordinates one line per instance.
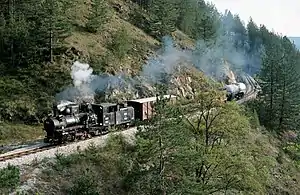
(280, 85)
(163, 17)
(270, 66)
(14, 35)
(240, 37)
(253, 35)
(254, 48)
(51, 24)
(99, 15)
(289, 86)
(187, 16)
(206, 22)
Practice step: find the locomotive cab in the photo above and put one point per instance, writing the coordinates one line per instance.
(105, 113)
(110, 114)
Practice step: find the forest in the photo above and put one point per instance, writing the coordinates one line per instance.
(258, 152)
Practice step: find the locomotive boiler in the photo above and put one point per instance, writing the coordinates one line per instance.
(70, 121)
(235, 91)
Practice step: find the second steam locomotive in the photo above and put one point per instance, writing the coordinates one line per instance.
(70, 121)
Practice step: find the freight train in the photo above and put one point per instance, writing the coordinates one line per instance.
(70, 121)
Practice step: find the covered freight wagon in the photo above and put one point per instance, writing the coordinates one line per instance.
(143, 108)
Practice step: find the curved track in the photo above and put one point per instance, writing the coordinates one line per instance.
(252, 89)
(250, 94)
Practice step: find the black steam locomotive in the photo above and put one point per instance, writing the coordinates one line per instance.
(71, 121)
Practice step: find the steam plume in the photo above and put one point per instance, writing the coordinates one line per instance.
(214, 59)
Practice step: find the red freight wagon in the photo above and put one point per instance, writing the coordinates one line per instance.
(143, 108)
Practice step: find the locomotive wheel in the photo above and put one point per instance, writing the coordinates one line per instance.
(96, 133)
(105, 131)
(46, 140)
(73, 137)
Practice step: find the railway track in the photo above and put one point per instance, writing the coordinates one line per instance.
(11, 155)
(251, 93)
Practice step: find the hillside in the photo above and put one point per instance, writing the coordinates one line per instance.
(120, 49)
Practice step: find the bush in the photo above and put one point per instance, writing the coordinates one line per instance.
(9, 178)
(85, 183)
(121, 43)
(98, 17)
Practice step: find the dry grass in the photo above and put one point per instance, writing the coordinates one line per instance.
(17, 133)
(95, 45)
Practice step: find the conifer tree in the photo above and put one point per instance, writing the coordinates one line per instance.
(99, 15)
(187, 16)
(163, 17)
(280, 85)
(205, 25)
(289, 85)
(52, 24)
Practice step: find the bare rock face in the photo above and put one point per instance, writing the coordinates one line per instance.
(128, 89)
(181, 79)
(187, 81)
(229, 76)
(184, 82)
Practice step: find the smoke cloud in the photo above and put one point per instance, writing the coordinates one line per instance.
(164, 63)
(82, 77)
(230, 50)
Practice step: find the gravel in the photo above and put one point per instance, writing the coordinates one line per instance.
(68, 149)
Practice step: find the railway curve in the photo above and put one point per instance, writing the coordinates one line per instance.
(10, 156)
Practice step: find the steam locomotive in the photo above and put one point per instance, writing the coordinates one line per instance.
(70, 121)
(235, 91)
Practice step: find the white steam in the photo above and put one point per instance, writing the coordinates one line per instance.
(165, 63)
(82, 75)
(208, 57)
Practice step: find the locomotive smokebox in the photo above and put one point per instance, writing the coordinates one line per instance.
(49, 127)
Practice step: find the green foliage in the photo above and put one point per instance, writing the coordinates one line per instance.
(280, 76)
(9, 178)
(251, 111)
(22, 100)
(96, 170)
(293, 149)
(98, 16)
(30, 36)
(85, 183)
(206, 22)
(187, 16)
(121, 43)
(200, 154)
(163, 16)
(16, 133)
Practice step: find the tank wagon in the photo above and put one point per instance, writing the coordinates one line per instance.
(235, 91)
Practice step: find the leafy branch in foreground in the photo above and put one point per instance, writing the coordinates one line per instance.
(194, 149)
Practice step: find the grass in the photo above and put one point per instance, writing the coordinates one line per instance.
(96, 44)
(96, 170)
(9, 179)
(18, 133)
